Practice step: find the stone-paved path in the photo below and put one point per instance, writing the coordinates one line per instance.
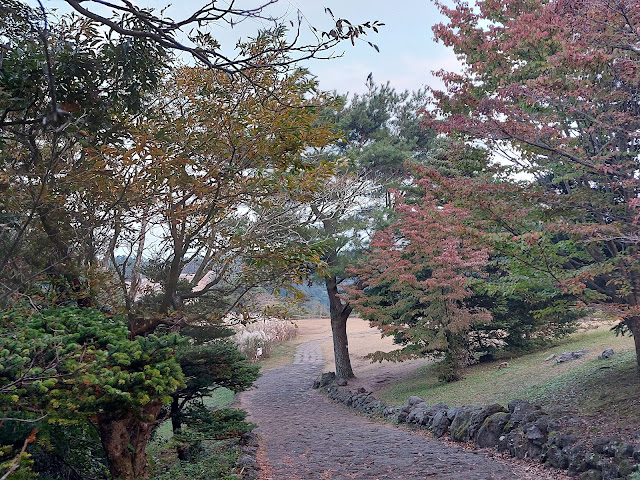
(306, 437)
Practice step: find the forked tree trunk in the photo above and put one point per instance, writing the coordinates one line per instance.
(339, 316)
(125, 439)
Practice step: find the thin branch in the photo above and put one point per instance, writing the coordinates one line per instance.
(24, 420)
(16, 461)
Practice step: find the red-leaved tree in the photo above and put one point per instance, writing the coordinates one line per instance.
(415, 282)
(554, 86)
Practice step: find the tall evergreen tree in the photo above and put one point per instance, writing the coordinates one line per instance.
(380, 132)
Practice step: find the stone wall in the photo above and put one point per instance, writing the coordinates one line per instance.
(522, 429)
(247, 463)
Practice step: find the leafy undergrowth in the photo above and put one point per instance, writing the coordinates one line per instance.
(215, 458)
(603, 396)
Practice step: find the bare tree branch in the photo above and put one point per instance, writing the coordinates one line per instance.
(166, 32)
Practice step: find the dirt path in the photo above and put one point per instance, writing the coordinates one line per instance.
(305, 437)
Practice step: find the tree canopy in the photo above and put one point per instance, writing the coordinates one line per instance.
(552, 87)
(109, 145)
(379, 131)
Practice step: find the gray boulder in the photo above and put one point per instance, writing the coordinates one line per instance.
(555, 457)
(416, 415)
(432, 411)
(567, 356)
(613, 447)
(564, 440)
(523, 412)
(603, 444)
(625, 468)
(249, 439)
(361, 401)
(324, 380)
(636, 453)
(478, 418)
(579, 458)
(451, 413)
(390, 411)
(247, 461)
(608, 353)
(515, 442)
(440, 423)
(459, 429)
(406, 408)
(491, 429)
(535, 435)
(591, 475)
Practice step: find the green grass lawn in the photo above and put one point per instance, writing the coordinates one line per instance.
(220, 398)
(605, 394)
(529, 377)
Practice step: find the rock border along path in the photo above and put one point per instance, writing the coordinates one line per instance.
(306, 437)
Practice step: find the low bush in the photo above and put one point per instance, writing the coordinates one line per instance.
(256, 340)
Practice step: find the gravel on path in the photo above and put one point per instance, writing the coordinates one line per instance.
(306, 437)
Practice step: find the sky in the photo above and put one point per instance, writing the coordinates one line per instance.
(408, 53)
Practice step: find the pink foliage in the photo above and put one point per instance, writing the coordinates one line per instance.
(416, 278)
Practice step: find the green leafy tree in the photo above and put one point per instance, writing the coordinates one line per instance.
(528, 308)
(380, 133)
(225, 169)
(71, 364)
(65, 94)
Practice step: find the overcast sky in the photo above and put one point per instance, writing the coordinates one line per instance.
(407, 54)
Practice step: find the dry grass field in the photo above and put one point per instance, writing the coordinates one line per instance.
(362, 340)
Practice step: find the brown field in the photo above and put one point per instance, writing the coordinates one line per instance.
(362, 340)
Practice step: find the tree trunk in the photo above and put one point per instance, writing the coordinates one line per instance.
(341, 346)
(125, 439)
(170, 298)
(339, 315)
(634, 325)
(176, 426)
